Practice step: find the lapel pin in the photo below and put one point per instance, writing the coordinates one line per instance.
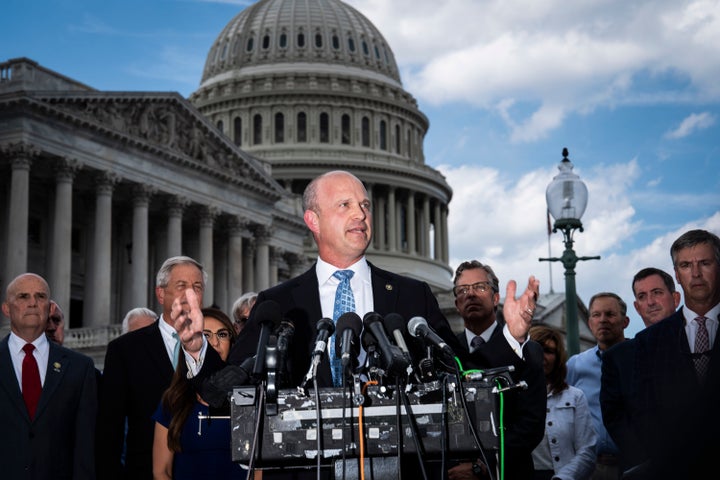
(388, 287)
(56, 366)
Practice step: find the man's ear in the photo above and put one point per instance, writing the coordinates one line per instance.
(311, 220)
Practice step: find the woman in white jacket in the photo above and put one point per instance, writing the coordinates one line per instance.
(568, 450)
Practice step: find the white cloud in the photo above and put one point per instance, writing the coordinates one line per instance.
(691, 124)
(561, 57)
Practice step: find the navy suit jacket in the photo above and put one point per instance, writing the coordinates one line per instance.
(524, 417)
(137, 372)
(59, 443)
(678, 417)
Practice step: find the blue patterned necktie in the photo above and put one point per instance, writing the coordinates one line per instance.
(344, 302)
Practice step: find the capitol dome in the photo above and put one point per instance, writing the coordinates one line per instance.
(309, 86)
(301, 36)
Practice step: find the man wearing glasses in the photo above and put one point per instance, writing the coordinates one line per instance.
(488, 341)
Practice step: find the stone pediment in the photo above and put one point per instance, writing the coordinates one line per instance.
(163, 124)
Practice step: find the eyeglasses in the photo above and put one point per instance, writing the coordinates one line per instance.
(480, 287)
(222, 335)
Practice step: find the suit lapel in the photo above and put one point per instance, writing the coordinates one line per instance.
(58, 363)
(8, 379)
(385, 291)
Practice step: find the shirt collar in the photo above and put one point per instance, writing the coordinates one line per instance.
(16, 344)
(325, 270)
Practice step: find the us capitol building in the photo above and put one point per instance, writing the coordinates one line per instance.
(98, 188)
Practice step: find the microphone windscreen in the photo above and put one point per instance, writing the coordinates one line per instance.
(394, 321)
(371, 317)
(268, 313)
(325, 324)
(349, 320)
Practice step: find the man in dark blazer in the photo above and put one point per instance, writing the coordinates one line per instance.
(677, 414)
(138, 369)
(58, 440)
(490, 342)
(655, 299)
(337, 211)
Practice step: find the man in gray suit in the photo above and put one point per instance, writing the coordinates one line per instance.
(51, 435)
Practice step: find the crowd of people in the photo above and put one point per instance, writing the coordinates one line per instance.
(624, 409)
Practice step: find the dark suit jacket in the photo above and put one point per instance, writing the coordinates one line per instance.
(137, 372)
(678, 418)
(617, 401)
(299, 298)
(524, 417)
(60, 442)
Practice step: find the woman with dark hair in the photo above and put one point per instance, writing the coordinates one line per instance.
(568, 450)
(182, 447)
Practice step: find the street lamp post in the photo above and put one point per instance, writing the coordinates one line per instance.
(567, 198)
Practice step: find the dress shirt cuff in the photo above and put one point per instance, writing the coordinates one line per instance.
(193, 365)
(516, 346)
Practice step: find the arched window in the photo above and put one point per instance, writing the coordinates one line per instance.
(301, 127)
(283, 40)
(366, 51)
(351, 44)
(279, 128)
(365, 127)
(324, 128)
(318, 40)
(383, 135)
(250, 43)
(397, 139)
(237, 131)
(335, 42)
(301, 40)
(409, 143)
(266, 42)
(220, 125)
(345, 129)
(257, 129)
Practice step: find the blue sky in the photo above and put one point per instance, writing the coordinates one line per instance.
(629, 87)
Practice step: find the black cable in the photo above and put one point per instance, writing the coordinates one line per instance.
(344, 423)
(259, 409)
(443, 429)
(398, 423)
(319, 425)
(471, 426)
(419, 448)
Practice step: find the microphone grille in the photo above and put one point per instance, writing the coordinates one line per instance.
(414, 324)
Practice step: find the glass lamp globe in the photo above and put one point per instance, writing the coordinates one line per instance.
(566, 195)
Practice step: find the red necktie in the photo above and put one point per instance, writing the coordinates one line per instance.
(31, 387)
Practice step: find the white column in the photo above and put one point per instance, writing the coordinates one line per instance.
(262, 258)
(206, 257)
(139, 269)
(410, 223)
(392, 220)
(97, 292)
(444, 236)
(175, 207)
(17, 234)
(425, 241)
(380, 219)
(437, 254)
(235, 261)
(60, 265)
(249, 265)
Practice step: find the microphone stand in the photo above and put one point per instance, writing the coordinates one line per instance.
(419, 448)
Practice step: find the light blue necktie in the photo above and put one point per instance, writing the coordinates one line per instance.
(344, 302)
(176, 349)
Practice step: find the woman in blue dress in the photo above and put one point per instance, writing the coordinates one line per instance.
(185, 446)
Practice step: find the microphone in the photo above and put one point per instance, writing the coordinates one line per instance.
(325, 327)
(370, 345)
(418, 327)
(348, 330)
(392, 357)
(285, 332)
(215, 390)
(395, 326)
(268, 315)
